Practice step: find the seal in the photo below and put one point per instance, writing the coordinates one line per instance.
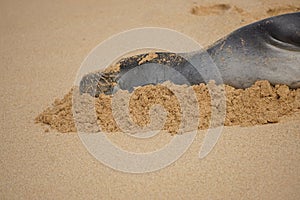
(265, 50)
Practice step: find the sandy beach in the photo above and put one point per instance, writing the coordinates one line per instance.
(42, 45)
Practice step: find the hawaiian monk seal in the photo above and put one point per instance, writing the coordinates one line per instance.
(265, 50)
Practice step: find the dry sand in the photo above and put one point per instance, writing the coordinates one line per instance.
(42, 46)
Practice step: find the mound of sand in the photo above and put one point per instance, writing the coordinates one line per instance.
(259, 104)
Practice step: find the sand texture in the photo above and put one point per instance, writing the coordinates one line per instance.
(43, 44)
(259, 104)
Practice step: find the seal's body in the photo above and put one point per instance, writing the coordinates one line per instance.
(266, 50)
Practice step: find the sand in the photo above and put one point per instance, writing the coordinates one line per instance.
(259, 104)
(42, 46)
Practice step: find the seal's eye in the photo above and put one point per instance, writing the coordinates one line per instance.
(285, 28)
